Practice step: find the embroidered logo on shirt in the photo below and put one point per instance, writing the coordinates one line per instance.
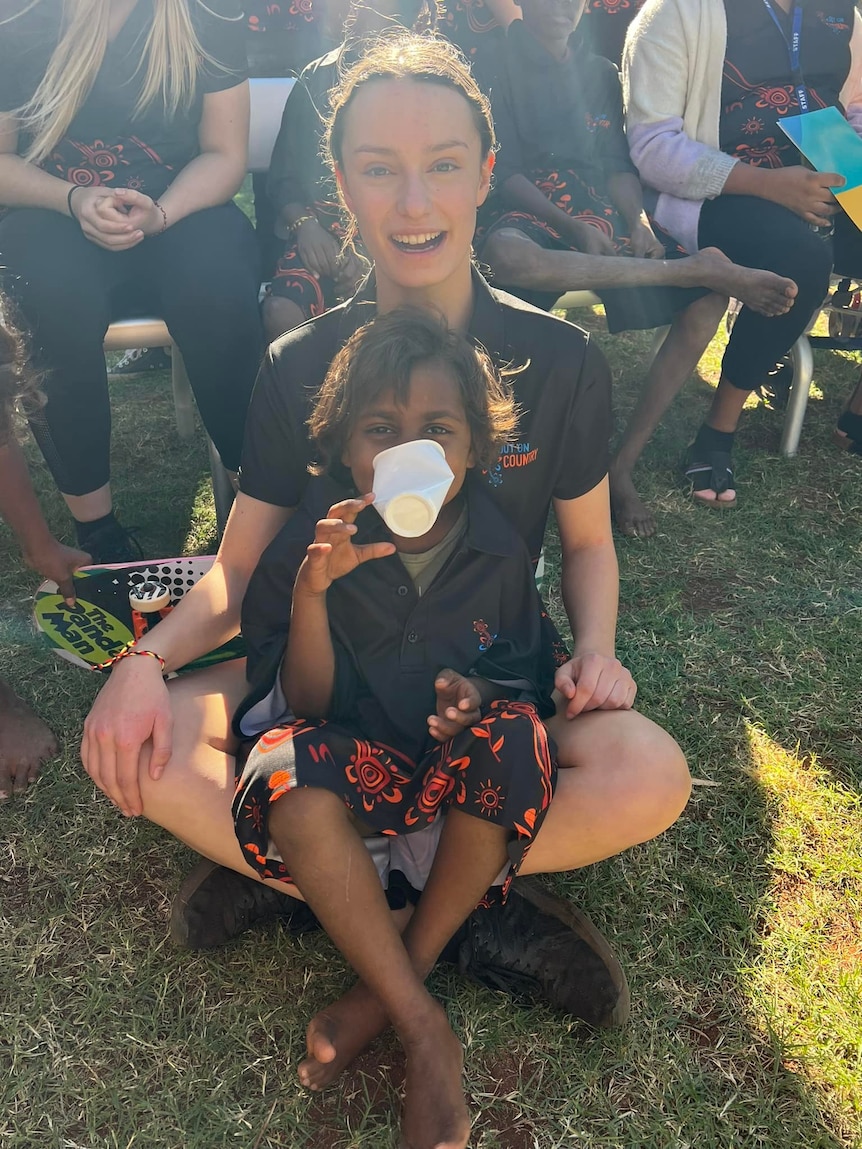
(486, 639)
(833, 23)
(594, 123)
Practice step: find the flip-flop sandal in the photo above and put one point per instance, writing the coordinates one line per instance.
(709, 471)
(848, 433)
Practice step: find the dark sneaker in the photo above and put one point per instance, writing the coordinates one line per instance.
(540, 948)
(140, 361)
(215, 904)
(112, 543)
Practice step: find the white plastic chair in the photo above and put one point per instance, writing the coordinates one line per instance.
(268, 98)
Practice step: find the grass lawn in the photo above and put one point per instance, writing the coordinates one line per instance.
(739, 929)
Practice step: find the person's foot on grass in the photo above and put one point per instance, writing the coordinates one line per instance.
(25, 743)
(338, 1034)
(631, 514)
(435, 1111)
(763, 291)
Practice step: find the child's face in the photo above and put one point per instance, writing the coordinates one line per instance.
(434, 410)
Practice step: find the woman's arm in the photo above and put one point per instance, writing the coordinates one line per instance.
(133, 705)
(593, 679)
(23, 184)
(216, 174)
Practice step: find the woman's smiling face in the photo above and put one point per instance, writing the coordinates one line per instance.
(413, 174)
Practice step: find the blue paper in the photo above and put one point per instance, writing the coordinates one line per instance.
(828, 142)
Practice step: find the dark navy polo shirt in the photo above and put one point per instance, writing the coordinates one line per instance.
(563, 390)
(480, 615)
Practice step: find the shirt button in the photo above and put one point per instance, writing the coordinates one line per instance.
(402, 591)
(412, 636)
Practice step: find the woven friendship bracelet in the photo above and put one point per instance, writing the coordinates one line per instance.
(161, 230)
(127, 652)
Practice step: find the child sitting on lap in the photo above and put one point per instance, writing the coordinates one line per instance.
(416, 672)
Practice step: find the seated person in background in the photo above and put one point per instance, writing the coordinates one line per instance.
(707, 85)
(318, 267)
(568, 205)
(25, 740)
(478, 27)
(605, 30)
(438, 756)
(123, 139)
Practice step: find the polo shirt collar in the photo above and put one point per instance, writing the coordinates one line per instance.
(486, 325)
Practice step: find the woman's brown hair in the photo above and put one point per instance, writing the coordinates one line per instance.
(381, 357)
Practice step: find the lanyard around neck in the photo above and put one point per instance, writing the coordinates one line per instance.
(793, 49)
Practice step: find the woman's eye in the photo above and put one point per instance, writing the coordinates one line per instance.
(445, 166)
(377, 170)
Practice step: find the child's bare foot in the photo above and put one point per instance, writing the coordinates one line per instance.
(762, 291)
(338, 1034)
(435, 1112)
(631, 514)
(25, 743)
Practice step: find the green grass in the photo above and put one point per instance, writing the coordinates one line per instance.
(739, 928)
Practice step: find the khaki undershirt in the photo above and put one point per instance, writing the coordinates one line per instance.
(424, 567)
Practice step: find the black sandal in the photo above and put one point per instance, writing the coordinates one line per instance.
(709, 471)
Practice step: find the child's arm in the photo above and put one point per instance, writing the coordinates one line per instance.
(308, 670)
(21, 510)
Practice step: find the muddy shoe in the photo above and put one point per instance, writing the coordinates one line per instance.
(539, 948)
(215, 904)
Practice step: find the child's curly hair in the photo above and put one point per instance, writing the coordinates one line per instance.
(18, 385)
(381, 357)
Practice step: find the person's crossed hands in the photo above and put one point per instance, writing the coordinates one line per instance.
(115, 218)
(643, 242)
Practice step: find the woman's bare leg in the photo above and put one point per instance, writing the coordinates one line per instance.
(625, 763)
(679, 354)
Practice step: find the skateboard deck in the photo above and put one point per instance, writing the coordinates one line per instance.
(104, 620)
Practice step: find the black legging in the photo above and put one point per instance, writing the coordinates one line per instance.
(758, 233)
(201, 276)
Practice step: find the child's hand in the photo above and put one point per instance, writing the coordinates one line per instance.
(459, 705)
(332, 555)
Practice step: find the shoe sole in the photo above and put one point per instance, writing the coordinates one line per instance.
(533, 892)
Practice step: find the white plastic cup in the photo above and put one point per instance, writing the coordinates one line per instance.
(410, 484)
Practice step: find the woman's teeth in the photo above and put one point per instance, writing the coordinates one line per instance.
(417, 240)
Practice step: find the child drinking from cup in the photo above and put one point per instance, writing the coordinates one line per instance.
(416, 671)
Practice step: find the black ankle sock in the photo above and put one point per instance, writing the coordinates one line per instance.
(85, 531)
(708, 439)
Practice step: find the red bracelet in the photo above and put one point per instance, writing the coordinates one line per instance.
(127, 652)
(164, 226)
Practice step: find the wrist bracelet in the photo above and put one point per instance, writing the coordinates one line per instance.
(72, 189)
(297, 223)
(127, 652)
(162, 229)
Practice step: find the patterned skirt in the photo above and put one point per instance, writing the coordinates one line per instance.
(503, 770)
(292, 280)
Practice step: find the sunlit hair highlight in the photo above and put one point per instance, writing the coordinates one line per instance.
(18, 384)
(381, 357)
(171, 55)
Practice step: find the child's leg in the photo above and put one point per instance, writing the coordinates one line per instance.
(469, 857)
(327, 859)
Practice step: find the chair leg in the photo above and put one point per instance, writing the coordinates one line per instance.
(223, 488)
(803, 371)
(184, 408)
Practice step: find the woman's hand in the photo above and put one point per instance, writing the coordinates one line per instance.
(332, 555)
(459, 705)
(142, 212)
(807, 193)
(592, 681)
(643, 241)
(318, 249)
(101, 216)
(132, 707)
(55, 561)
(352, 269)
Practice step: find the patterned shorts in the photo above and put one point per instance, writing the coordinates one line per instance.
(503, 770)
(626, 308)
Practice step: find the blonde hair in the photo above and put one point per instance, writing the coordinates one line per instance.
(171, 55)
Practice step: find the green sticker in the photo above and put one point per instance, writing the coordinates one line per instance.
(84, 630)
